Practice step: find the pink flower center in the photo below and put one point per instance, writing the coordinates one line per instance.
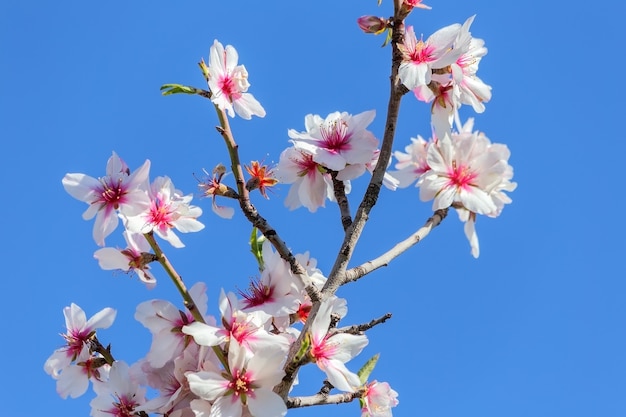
(241, 331)
(160, 214)
(461, 176)
(112, 192)
(258, 294)
(335, 138)
(124, 407)
(306, 165)
(422, 53)
(323, 350)
(75, 340)
(240, 384)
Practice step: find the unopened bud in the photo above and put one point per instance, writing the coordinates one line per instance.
(372, 24)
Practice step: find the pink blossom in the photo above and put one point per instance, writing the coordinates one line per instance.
(311, 182)
(213, 186)
(378, 400)
(79, 333)
(119, 191)
(74, 380)
(247, 383)
(411, 163)
(338, 140)
(276, 292)
(244, 328)
(331, 351)
(229, 82)
(165, 322)
(169, 209)
(133, 259)
(473, 90)
(120, 396)
(419, 58)
(469, 173)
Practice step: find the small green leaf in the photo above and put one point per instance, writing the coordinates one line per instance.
(304, 348)
(387, 38)
(256, 246)
(167, 89)
(365, 372)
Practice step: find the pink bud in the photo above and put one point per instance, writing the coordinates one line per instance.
(372, 24)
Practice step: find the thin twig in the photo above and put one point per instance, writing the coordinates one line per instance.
(360, 271)
(321, 399)
(246, 205)
(175, 277)
(361, 328)
(342, 201)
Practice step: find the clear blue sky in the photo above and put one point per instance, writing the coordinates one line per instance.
(535, 327)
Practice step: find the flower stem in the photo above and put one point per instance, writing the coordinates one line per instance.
(182, 289)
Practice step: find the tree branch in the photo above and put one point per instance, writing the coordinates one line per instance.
(360, 271)
(353, 233)
(342, 201)
(246, 205)
(322, 399)
(361, 328)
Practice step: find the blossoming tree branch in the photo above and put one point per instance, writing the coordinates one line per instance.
(245, 362)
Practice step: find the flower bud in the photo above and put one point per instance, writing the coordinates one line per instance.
(409, 5)
(372, 24)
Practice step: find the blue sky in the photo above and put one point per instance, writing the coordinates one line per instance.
(536, 326)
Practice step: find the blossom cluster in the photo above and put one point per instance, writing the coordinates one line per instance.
(231, 365)
(224, 367)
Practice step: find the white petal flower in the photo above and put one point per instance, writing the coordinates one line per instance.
(229, 82)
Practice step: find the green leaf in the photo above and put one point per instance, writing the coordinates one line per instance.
(387, 38)
(168, 89)
(365, 372)
(304, 348)
(256, 246)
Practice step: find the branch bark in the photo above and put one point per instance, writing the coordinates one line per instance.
(384, 259)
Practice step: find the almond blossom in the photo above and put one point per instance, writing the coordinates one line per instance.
(213, 186)
(229, 83)
(330, 351)
(338, 140)
(80, 332)
(419, 58)
(244, 328)
(118, 190)
(472, 90)
(246, 384)
(311, 183)
(133, 259)
(74, 380)
(466, 170)
(165, 322)
(276, 292)
(120, 396)
(411, 163)
(169, 209)
(378, 400)
(469, 173)
(457, 83)
(170, 381)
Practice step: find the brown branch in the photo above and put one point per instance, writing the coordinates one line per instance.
(360, 271)
(361, 328)
(353, 233)
(342, 201)
(175, 277)
(246, 205)
(322, 399)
